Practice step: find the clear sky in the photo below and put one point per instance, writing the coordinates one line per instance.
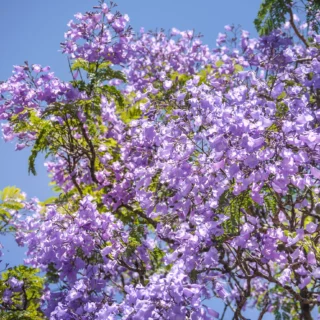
(32, 30)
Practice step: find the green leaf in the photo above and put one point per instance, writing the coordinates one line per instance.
(11, 194)
(114, 93)
(238, 68)
(219, 63)
(10, 200)
(181, 78)
(104, 65)
(40, 144)
(281, 96)
(108, 74)
(204, 74)
(80, 64)
(132, 113)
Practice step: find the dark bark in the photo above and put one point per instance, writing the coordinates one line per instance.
(305, 312)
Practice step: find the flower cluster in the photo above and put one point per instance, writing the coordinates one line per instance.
(186, 174)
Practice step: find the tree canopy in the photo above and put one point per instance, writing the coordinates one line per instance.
(183, 174)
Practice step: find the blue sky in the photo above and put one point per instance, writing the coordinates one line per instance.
(33, 30)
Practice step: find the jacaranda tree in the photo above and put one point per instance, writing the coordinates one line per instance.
(184, 174)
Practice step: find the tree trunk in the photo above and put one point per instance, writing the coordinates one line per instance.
(305, 312)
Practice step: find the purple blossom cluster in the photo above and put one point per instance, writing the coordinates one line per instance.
(200, 183)
(99, 36)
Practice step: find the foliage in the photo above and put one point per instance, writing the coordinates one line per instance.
(20, 287)
(10, 202)
(273, 14)
(21, 290)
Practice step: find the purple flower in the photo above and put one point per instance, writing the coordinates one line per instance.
(36, 68)
(311, 227)
(285, 276)
(228, 28)
(304, 282)
(167, 84)
(311, 258)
